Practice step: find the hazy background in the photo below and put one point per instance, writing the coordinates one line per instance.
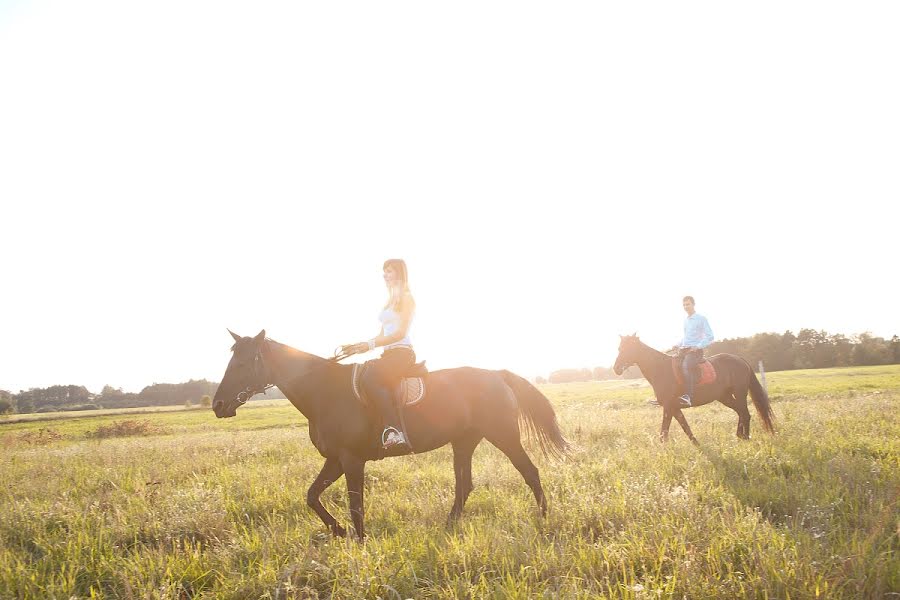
(554, 175)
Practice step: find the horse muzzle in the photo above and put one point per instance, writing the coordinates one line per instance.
(225, 410)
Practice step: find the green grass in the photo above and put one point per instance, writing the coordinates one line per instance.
(204, 508)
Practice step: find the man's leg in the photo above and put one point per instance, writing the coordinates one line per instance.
(688, 366)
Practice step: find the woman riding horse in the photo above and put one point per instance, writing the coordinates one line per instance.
(383, 374)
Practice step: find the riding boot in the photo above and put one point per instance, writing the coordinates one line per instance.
(392, 434)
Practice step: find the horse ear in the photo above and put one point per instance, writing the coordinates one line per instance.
(236, 337)
(261, 335)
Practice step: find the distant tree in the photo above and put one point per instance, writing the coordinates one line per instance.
(871, 350)
(25, 401)
(812, 350)
(112, 397)
(602, 373)
(570, 375)
(843, 350)
(168, 394)
(539, 380)
(632, 372)
(109, 390)
(761, 347)
(7, 403)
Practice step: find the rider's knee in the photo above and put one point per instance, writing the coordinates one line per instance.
(372, 378)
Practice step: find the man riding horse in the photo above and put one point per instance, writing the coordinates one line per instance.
(697, 336)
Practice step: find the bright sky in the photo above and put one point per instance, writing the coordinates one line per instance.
(555, 174)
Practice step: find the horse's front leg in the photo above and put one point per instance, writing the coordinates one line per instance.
(353, 472)
(666, 422)
(331, 472)
(679, 416)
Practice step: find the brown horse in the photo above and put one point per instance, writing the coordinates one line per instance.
(461, 407)
(734, 379)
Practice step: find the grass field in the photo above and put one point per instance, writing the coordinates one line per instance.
(181, 505)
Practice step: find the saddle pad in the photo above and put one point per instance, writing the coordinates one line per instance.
(707, 372)
(412, 389)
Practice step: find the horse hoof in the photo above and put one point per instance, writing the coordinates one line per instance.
(339, 531)
(695, 442)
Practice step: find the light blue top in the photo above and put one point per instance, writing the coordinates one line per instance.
(697, 333)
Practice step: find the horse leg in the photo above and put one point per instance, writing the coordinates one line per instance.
(331, 472)
(679, 416)
(353, 473)
(512, 448)
(740, 407)
(462, 467)
(666, 422)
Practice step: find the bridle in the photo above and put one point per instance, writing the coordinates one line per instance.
(261, 374)
(623, 365)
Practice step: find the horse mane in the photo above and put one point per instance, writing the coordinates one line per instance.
(643, 345)
(295, 351)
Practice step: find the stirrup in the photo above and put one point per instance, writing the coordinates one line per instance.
(386, 434)
(685, 401)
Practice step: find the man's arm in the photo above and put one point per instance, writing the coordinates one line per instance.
(707, 335)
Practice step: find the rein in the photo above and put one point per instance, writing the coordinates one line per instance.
(339, 354)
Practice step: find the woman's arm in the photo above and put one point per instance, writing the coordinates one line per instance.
(384, 340)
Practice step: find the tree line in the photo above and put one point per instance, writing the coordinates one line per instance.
(808, 349)
(77, 397)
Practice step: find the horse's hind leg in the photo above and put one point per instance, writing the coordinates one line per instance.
(462, 468)
(740, 407)
(331, 472)
(679, 416)
(512, 448)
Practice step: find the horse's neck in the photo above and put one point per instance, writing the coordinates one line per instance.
(293, 372)
(651, 362)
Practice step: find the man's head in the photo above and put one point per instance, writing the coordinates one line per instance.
(688, 303)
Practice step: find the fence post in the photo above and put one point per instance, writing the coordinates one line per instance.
(762, 377)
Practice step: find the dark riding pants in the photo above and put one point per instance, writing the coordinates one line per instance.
(381, 379)
(689, 361)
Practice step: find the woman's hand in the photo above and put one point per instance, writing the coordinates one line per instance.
(360, 348)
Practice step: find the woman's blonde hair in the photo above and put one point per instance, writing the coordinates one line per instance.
(400, 293)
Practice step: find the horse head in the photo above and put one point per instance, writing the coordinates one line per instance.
(245, 375)
(628, 352)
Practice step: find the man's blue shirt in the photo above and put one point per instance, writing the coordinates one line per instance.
(697, 333)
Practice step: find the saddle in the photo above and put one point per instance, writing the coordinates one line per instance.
(707, 371)
(410, 391)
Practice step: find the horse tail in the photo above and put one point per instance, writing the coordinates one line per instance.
(538, 416)
(761, 402)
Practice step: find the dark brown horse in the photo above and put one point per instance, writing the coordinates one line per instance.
(734, 379)
(461, 407)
